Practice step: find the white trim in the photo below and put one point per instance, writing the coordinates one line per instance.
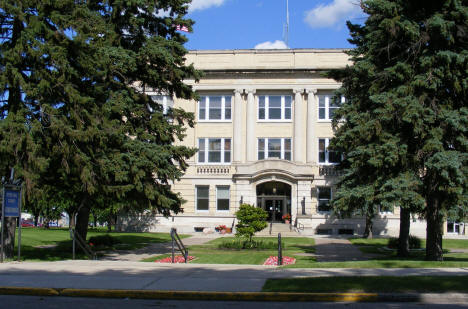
(229, 203)
(196, 199)
(223, 150)
(206, 104)
(327, 153)
(282, 150)
(267, 108)
(326, 107)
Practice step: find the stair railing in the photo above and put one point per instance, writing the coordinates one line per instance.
(177, 241)
(77, 239)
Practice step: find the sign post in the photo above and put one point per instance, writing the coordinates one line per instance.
(11, 207)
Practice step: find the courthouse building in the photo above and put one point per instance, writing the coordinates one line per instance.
(263, 125)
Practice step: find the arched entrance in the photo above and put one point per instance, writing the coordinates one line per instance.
(275, 198)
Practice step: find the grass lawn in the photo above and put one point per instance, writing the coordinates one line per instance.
(302, 249)
(209, 253)
(54, 244)
(384, 284)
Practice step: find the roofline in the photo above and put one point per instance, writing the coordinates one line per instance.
(269, 51)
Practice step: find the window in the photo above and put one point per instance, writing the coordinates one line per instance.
(455, 227)
(202, 194)
(165, 101)
(274, 107)
(214, 108)
(327, 156)
(214, 150)
(274, 148)
(324, 197)
(385, 209)
(222, 198)
(327, 106)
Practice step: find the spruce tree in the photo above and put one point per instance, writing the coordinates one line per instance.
(403, 128)
(83, 103)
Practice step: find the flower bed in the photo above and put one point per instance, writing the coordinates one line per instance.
(273, 260)
(177, 259)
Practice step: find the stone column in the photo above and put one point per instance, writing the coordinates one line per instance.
(298, 125)
(250, 127)
(311, 118)
(237, 126)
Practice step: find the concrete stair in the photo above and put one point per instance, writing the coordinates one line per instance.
(276, 228)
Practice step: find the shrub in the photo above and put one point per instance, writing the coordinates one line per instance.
(414, 242)
(251, 220)
(246, 244)
(102, 240)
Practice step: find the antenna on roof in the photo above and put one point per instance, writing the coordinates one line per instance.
(286, 26)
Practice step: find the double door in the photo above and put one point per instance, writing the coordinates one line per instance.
(276, 207)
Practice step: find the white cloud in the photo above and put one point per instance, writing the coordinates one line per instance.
(204, 4)
(271, 45)
(333, 14)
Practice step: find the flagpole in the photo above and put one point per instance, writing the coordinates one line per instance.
(287, 24)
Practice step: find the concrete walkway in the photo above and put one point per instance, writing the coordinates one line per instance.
(155, 249)
(177, 277)
(337, 250)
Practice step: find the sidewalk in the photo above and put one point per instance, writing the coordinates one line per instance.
(177, 277)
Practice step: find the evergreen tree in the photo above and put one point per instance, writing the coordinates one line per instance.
(74, 87)
(405, 120)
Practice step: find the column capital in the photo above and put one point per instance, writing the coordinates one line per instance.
(238, 90)
(298, 90)
(251, 90)
(311, 91)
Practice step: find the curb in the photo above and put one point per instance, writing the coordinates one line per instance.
(220, 296)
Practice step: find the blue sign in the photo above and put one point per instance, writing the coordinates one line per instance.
(12, 203)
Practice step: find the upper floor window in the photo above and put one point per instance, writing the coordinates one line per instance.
(327, 156)
(214, 108)
(324, 196)
(274, 148)
(274, 107)
(327, 106)
(214, 150)
(165, 101)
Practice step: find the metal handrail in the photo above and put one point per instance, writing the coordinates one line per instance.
(180, 245)
(83, 245)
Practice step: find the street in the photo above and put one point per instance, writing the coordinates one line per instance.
(34, 302)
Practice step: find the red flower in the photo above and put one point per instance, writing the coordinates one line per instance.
(273, 260)
(177, 259)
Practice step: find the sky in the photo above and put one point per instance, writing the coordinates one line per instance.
(248, 24)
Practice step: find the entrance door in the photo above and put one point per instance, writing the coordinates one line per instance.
(274, 207)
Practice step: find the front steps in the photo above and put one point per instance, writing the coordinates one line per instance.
(276, 228)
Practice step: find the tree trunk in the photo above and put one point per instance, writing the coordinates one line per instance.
(82, 219)
(434, 230)
(368, 228)
(9, 237)
(36, 220)
(403, 239)
(71, 220)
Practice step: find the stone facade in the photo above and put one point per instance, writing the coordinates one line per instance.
(262, 119)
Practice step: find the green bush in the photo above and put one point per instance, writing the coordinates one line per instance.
(246, 244)
(414, 242)
(102, 240)
(251, 220)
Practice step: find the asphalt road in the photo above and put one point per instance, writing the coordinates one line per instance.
(34, 302)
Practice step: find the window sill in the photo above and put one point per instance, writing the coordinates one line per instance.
(214, 163)
(274, 120)
(214, 121)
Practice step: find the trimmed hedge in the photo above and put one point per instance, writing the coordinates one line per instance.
(414, 242)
